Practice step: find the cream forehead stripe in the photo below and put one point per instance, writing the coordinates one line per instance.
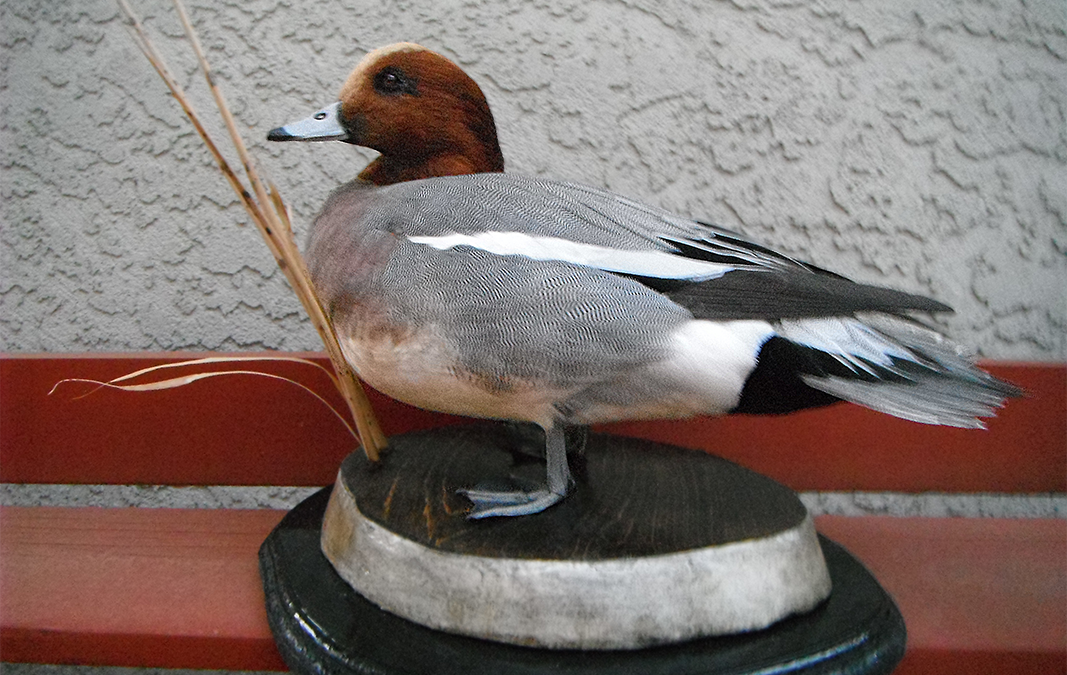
(397, 48)
(657, 264)
(358, 74)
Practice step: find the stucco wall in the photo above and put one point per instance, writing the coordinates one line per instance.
(917, 144)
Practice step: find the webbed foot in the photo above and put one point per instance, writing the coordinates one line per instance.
(488, 503)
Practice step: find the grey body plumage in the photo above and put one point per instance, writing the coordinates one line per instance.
(499, 295)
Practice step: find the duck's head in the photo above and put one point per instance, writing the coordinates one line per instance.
(418, 109)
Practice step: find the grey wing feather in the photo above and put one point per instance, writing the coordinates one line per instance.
(565, 210)
(759, 283)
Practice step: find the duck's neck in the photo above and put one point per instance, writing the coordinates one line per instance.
(386, 170)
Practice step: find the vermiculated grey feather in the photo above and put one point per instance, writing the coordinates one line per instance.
(502, 296)
(510, 272)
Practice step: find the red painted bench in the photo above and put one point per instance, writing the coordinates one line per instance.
(180, 588)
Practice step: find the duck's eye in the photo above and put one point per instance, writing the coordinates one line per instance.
(393, 81)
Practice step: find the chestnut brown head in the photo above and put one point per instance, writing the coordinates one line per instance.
(418, 109)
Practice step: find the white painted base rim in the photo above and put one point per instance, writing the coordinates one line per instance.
(624, 603)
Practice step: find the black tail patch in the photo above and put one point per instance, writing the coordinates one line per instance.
(775, 386)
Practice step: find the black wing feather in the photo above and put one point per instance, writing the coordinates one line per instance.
(746, 294)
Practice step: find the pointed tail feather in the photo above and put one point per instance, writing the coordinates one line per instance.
(900, 367)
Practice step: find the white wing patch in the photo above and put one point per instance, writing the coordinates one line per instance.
(655, 264)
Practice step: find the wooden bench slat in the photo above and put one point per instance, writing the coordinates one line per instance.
(846, 447)
(967, 584)
(180, 588)
(140, 650)
(238, 430)
(257, 431)
(947, 662)
(134, 587)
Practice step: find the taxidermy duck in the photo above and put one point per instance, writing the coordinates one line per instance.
(459, 288)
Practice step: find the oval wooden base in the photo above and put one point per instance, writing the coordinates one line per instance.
(323, 627)
(657, 545)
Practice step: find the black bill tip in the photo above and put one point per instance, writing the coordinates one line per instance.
(279, 134)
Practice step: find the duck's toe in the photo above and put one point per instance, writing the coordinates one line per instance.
(491, 503)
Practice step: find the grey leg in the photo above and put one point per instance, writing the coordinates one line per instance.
(559, 474)
(489, 503)
(577, 437)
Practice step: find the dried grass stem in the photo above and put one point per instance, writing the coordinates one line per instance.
(269, 213)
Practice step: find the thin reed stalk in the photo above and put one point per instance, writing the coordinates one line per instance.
(270, 215)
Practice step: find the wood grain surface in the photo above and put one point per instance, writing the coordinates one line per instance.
(638, 498)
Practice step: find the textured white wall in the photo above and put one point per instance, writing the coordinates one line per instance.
(917, 144)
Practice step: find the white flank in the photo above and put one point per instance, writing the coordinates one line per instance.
(714, 359)
(704, 374)
(656, 264)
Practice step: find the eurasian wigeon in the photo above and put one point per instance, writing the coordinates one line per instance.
(459, 288)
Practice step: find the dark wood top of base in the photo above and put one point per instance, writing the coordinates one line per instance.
(637, 497)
